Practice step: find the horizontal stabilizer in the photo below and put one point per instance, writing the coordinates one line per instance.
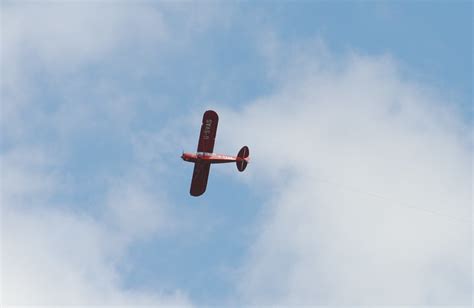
(242, 160)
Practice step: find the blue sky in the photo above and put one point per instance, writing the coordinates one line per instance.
(358, 116)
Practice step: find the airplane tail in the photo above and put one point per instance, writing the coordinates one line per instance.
(242, 158)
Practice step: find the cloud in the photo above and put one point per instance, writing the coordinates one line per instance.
(58, 258)
(44, 45)
(57, 248)
(60, 36)
(364, 169)
(368, 176)
(54, 253)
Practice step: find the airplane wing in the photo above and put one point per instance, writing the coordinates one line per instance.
(200, 175)
(208, 131)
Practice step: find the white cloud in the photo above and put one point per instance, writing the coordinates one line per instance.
(345, 148)
(52, 257)
(54, 252)
(137, 211)
(60, 36)
(348, 149)
(57, 254)
(54, 41)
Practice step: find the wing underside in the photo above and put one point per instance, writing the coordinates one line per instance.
(200, 176)
(207, 136)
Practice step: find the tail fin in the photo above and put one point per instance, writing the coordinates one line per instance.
(242, 160)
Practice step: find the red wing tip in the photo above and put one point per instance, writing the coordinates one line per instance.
(210, 113)
(196, 194)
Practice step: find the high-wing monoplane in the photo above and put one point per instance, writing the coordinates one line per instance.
(205, 157)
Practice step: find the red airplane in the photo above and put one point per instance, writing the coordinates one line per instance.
(204, 157)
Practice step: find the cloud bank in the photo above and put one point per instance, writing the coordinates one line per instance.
(369, 186)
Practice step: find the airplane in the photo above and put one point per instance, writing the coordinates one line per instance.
(205, 157)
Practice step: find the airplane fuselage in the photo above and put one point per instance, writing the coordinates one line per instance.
(213, 158)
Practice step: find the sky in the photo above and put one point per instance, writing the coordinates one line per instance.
(358, 116)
